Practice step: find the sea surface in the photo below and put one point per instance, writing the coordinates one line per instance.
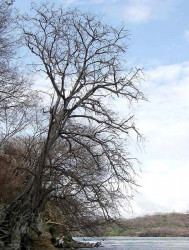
(140, 243)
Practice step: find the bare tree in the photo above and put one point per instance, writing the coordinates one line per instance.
(16, 98)
(83, 159)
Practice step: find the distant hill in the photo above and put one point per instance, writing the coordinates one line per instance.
(158, 225)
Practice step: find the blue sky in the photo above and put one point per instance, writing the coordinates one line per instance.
(158, 27)
(159, 43)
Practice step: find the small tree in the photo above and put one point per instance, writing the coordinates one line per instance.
(82, 159)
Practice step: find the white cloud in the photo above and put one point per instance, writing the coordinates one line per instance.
(80, 2)
(89, 2)
(133, 11)
(136, 11)
(165, 122)
(186, 35)
(68, 3)
(163, 191)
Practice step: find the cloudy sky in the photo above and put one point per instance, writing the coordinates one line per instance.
(159, 43)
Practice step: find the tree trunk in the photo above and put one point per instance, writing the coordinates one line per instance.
(24, 210)
(62, 238)
(22, 214)
(18, 216)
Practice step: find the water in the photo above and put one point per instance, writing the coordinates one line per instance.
(138, 243)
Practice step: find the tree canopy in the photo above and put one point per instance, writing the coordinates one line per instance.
(78, 157)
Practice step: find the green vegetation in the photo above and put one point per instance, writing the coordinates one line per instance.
(158, 225)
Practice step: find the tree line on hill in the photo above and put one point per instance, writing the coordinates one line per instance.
(156, 225)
